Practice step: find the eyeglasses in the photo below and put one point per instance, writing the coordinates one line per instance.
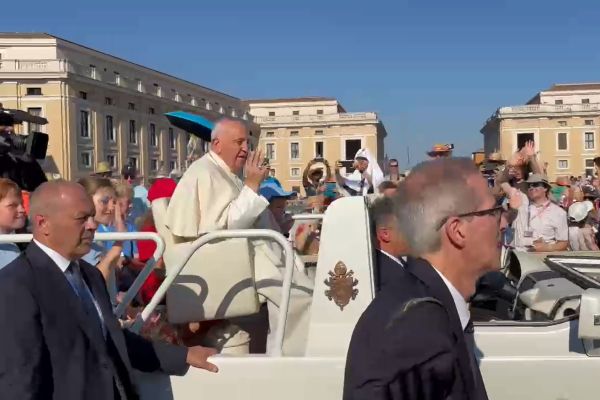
(497, 211)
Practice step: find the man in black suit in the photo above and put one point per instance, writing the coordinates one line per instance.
(59, 338)
(415, 340)
(391, 248)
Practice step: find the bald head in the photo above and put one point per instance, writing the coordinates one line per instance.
(433, 191)
(229, 140)
(62, 216)
(49, 197)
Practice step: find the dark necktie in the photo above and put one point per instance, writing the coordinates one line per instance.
(76, 279)
(362, 185)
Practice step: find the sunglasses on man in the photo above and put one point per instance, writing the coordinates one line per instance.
(494, 211)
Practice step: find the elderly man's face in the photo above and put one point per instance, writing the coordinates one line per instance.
(232, 146)
(69, 225)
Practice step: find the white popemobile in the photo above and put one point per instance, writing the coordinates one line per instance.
(540, 338)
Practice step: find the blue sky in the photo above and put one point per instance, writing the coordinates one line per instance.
(433, 70)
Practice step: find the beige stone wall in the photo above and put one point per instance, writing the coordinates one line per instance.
(569, 161)
(289, 171)
(63, 70)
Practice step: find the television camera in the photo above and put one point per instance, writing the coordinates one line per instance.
(19, 153)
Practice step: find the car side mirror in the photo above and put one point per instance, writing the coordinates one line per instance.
(589, 314)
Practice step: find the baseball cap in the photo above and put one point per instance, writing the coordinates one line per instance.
(270, 189)
(580, 210)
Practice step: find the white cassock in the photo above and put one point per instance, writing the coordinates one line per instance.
(362, 182)
(210, 197)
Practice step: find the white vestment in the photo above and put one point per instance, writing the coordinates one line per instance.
(371, 177)
(210, 197)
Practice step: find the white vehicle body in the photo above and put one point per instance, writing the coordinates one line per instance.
(549, 352)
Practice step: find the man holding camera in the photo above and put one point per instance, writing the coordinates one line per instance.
(15, 164)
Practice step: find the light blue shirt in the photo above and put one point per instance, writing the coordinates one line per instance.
(8, 252)
(97, 251)
(130, 249)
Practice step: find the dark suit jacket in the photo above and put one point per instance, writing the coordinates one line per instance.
(406, 350)
(387, 270)
(48, 347)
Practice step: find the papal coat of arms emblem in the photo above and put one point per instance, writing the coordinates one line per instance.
(341, 284)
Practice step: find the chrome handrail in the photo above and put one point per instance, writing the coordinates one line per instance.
(113, 236)
(231, 234)
(302, 217)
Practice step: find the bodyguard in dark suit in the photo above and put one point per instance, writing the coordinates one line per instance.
(415, 340)
(59, 338)
(390, 255)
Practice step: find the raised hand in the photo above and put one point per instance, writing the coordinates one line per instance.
(255, 171)
(528, 151)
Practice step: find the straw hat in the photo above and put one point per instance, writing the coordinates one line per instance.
(103, 167)
(439, 149)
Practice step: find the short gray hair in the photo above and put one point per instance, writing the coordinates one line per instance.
(434, 190)
(382, 211)
(221, 126)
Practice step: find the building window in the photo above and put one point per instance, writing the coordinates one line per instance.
(31, 127)
(295, 112)
(84, 123)
(563, 164)
(110, 128)
(132, 132)
(585, 101)
(117, 78)
(271, 113)
(172, 165)
(108, 101)
(319, 112)
(296, 189)
(172, 141)
(589, 167)
(295, 172)
(151, 110)
(562, 142)
(154, 164)
(270, 134)
(294, 133)
(112, 161)
(86, 159)
(562, 123)
(83, 95)
(270, 151)
(272, 172)
(589, 141)
(153, 136)
(319, 149)
(133, 161)
(92, 71)
(318, 132)
(589, 122)
(193, 101)
(558, 102)
(34, 91)
(294, 151)
(131, 106)
(140, 86)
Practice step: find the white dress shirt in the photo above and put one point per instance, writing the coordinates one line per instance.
(63, 265)
(459, 302)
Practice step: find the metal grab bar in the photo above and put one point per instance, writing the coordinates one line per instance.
(113, 236)
(303, 217)
(231, 234)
